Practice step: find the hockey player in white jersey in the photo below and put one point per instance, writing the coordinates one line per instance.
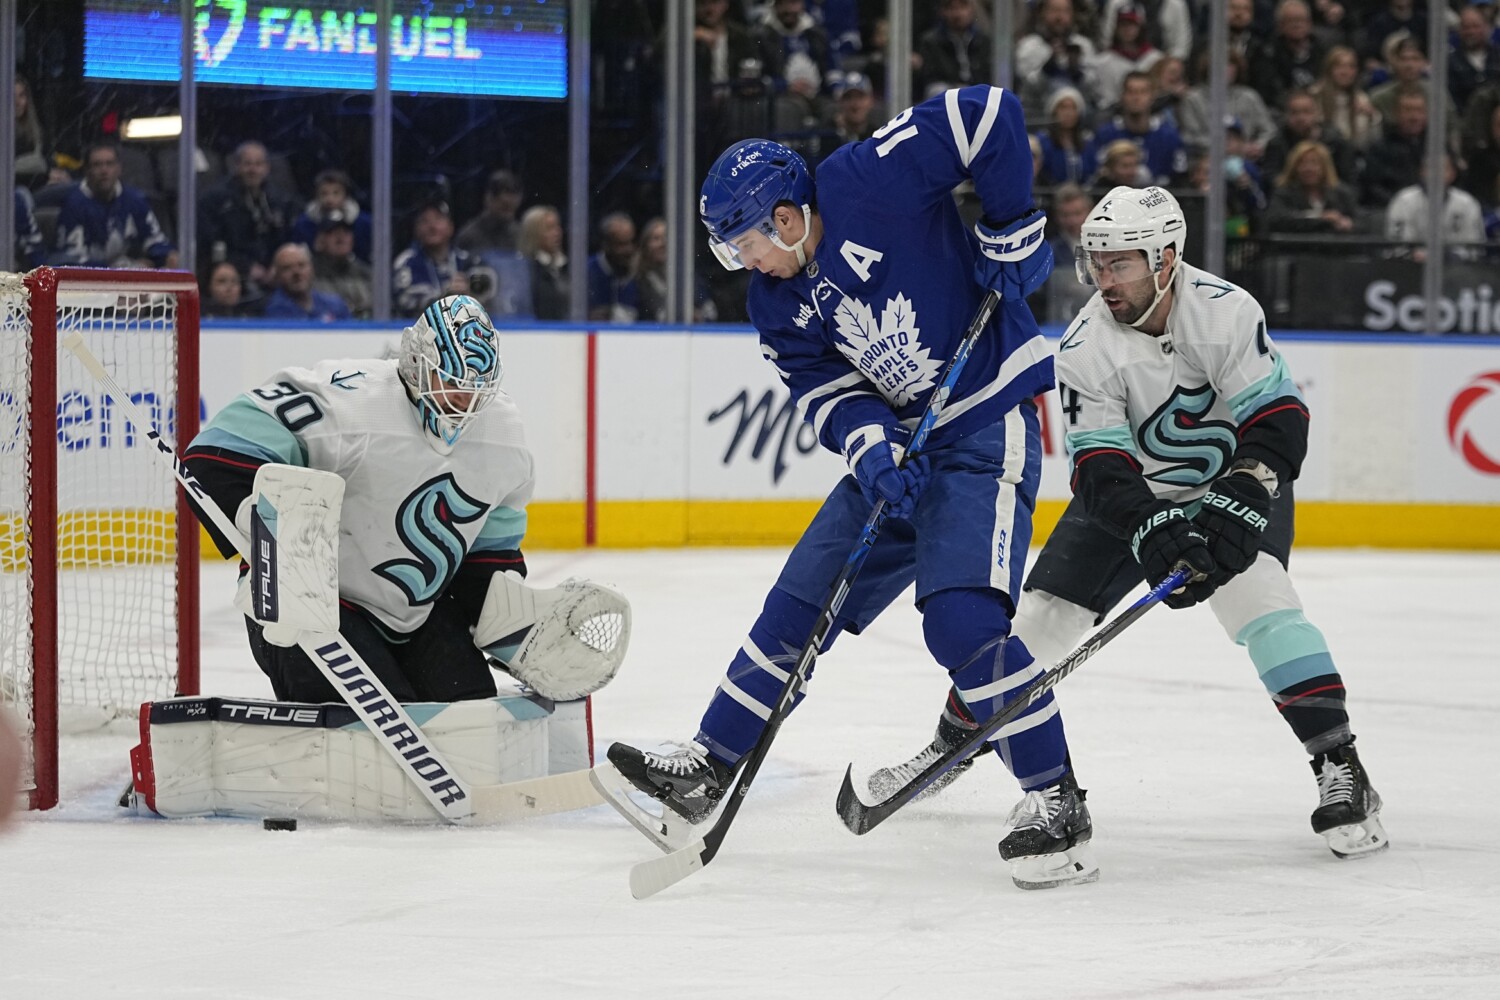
(436, 476)
(1185, 433)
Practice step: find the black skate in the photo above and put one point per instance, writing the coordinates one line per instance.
(682, 776)
(1348, 813)
(887, 781)
(1049, 841)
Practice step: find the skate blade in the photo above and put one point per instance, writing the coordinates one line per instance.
(665, 829)
(1075, 866)
(1357, 840)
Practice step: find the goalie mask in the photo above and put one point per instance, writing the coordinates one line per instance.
(450, 363)
(740, 195)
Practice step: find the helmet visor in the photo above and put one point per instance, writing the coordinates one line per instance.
(748, 248)
(1109, 267)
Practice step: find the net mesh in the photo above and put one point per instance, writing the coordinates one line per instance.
(117, 612)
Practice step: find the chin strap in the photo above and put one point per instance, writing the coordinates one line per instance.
(1156, 301)
(796, 248)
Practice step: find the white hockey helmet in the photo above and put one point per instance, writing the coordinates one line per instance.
(1147, 219)
(450, 363)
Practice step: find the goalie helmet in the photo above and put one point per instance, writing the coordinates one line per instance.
(450, 363)
(742, 190)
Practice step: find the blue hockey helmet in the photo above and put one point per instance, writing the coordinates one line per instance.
(742, 190)
(450, 363)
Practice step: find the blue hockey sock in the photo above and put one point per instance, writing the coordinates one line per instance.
(968, 631)
(747, 694)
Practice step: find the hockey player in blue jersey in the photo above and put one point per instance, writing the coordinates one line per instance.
(863, 287)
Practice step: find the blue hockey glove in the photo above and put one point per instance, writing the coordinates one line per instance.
(870, 452)
(1234, 515)
(1015, 258)
(1168, 538)
(914, 476)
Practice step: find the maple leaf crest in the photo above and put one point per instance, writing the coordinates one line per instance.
(855, 323)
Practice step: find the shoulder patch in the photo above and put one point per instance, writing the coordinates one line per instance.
(1221, 289)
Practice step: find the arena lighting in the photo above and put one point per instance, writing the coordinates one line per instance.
(161, 127)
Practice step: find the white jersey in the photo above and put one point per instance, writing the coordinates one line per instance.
(410, 515)
(1174, 403)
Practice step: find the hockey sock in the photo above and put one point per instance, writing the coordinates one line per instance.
(968, 631)
(1294, 664)
(747, 694)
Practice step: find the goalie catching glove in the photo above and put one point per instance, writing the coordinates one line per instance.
(564, 643)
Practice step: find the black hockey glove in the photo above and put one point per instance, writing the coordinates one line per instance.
(1166, 539)
(1234, 515)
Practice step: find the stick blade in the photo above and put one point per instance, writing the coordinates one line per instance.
(515, 800)
(650, 877)
(857, 816)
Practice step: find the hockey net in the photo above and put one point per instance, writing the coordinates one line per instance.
(98, 551)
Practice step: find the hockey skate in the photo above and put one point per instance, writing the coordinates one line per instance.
(1348, 813)
(682, 777)
(1049, 841)
(887, 781)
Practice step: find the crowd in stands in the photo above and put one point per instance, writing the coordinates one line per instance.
(1325, 136)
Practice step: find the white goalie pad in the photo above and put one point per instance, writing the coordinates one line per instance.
(565, 642)
(292, 521)
(259, 759)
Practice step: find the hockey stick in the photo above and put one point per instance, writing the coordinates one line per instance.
(650, 877)
(862, 818)
(358, 686)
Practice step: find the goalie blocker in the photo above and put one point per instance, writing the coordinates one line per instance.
(241, 757)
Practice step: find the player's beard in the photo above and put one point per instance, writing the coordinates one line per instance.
(1136, 297)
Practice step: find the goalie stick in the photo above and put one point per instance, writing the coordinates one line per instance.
(650, 877)
(861, 818)
(358, 686)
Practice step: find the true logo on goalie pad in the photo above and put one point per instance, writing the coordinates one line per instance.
(263, 575)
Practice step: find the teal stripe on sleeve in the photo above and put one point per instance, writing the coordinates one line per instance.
(1109, 437)
(244, 427)
(1277, 385)
(503, 529)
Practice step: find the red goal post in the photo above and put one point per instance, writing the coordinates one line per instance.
(98, 547)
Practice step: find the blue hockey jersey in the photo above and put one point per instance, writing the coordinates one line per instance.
(865, 329)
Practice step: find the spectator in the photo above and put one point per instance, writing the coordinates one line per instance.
(613, 294)
(432, 267)
(789, 36)
(337, 269)
(1303, 123)
(1291, 60)
(1243, 104)
(1244, 201)
(295, 297)
(1054, 55)
(1482, 156)
(729, 69)
(1128, 50)
(1463, 219)
(30, 247)
(243, 219)
(1395, 161)
(854, 118)
(103, 223)
(541, 243)
(1408, 73)
(1475, 57)
(225, 294)
(334, 193)
(802, 112)
(1066, 155)
(1309, 197)
(1160, 144)
(1167, 25)
(1121, 164)
(1037, 179)
(651, 277)
(31, 145)
(1398, 15)
(494, 228)
(1066, 295)
(1168, 87)
(1344, 106)
(954, 52)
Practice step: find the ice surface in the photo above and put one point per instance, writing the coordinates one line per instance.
(1213, 885)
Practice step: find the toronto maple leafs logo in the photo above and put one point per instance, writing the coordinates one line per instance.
(888, 353)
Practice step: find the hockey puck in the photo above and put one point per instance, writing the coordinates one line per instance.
(279, 824)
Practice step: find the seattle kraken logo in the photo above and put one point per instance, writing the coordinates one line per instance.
(1195, 450)
(425, 524)
(463, 340)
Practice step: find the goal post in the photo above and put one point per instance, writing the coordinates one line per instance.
(98, 548)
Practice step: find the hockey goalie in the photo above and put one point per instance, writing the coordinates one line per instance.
(383, 503)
